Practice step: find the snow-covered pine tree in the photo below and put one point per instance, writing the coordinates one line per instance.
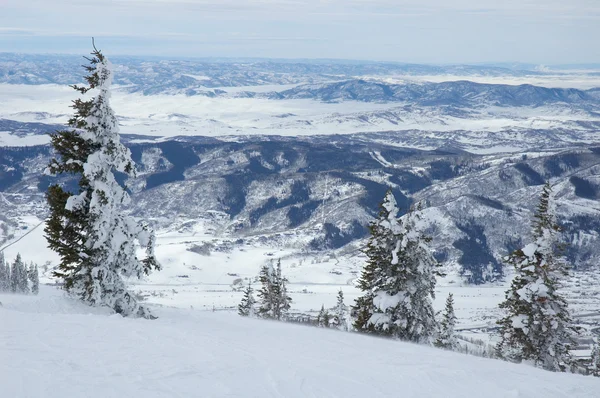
(382, 241)
(18, 273)
(284, 300)
(267, 295)
(274, 302)
(4, 275)
(594, 367)
(447, 336)
(23, 278)
(320, 315)
(327, 319)
(323, 317)
(8, 276)
(34, 278)
(399, 278)
(340, 318)
(96, 241)
(537, 326)
(14, 275)
(246, 307)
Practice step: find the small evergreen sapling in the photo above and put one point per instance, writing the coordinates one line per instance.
(594, 367)
(23, 286)
(340, 318)
(23, 278)
(4, 275)
(320, 316)
(34, 278)
(14, 275)
(447, 336)
(246, 307)
(284, 299)
(326, 319)
(537, 326)
(323, 319)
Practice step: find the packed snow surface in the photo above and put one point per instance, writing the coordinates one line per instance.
(54, 347)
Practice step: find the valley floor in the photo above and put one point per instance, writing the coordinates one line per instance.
(52, 346)
(190, 281)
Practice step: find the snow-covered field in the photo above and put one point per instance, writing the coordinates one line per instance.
(214, 282)
(164, 115)
(567, 79)
(53, 347)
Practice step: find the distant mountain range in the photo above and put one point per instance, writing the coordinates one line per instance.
(333, 81)
(455, 93)
(152, 76)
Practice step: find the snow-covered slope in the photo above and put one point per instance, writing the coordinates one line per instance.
(318, 194)
(53, 347)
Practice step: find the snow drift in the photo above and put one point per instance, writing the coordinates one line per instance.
(53, 347)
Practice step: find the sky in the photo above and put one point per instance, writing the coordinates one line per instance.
(421, 31)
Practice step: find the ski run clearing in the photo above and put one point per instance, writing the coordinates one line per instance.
(52, 346)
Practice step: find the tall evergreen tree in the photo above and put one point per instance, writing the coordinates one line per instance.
(8, 277)
(340, 316)
(267, 294)
(399, 278)
(34, 278)
(94, 239)
(378, 251)
(4, 275)
(23, 277)
(537, 326)
(274, 302)
(246, 307)
(284, 300)
(15, 275)
(18, 277)
(447, 337)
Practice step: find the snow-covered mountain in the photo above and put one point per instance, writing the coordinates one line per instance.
(299, 154)
(452, 93)
(241, 162)
(316, 194)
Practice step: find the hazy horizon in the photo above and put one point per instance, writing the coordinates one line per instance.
(233, 58)
(547, 32)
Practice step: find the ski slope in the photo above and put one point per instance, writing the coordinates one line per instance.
(51, 346)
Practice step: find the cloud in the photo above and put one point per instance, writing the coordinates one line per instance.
(572, 8)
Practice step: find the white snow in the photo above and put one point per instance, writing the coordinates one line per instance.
(487, 130)
(384, 301)
(567, 79)
(208, 281)
(9, 139)
(53, 347)
(530, 249)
